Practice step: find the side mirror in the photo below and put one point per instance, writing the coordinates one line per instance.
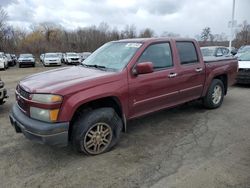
(143, 68)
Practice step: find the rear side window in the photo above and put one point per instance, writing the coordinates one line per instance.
(187, 52)
(159, 54)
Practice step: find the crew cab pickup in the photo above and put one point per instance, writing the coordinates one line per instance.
(89, 105)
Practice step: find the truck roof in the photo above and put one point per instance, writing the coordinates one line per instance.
(142, 40)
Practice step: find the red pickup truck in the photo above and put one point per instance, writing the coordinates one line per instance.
(89, 105)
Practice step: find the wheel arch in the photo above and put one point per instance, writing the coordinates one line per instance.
(110, 101)
(224, 79)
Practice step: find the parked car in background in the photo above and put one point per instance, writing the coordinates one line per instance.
(89, 105)
(60, 54)
(243, 76)
(10, 60)
(63, 57)
(3, 61)
(215, 51)
(26, 60)
(14, 58)
(242, 50)
(233, 50)
(72, 58)
(3, 92)
(84, 55)
(51, 59)
(41, 58)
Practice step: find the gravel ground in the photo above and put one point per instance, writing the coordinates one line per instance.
(187, 146)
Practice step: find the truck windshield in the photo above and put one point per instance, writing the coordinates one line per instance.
(113, 55)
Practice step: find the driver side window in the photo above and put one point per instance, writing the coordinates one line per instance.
(159, 54)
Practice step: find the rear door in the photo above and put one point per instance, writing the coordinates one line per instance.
(156, 90)
(192, 71)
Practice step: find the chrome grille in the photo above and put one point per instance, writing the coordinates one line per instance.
(23, 93)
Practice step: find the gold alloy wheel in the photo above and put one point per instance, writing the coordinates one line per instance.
(217, 94)
(98, 138)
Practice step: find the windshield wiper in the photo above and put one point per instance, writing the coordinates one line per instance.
(95, 66)
(100, 67)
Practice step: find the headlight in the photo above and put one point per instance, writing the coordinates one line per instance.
(44, 114)
(46, 98)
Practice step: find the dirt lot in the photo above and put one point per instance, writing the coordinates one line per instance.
(183, 147)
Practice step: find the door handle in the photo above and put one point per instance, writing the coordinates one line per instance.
(172, 75)
(198, 69)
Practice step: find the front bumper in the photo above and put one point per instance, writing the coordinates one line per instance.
(41, 132)
(70, 61)
(27, 63)
(243, 76)
(52, 63)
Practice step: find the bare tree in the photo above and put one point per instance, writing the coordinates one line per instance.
(3, 19)
(146, 33)
(243, 36)
(129, 32)
(206, 35)
(169, 34)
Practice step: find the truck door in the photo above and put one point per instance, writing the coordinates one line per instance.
(159, 89)
(192, 71)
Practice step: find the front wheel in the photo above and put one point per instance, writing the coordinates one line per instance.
(96, 131)
(215, 95)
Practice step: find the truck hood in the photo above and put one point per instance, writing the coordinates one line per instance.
(244, 64)
(65, 80)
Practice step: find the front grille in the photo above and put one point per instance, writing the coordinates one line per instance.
(21, 103)
(75, 59)
(23, 93)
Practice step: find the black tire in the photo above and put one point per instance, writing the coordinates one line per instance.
(209, 101)
(20, 66)
(86, 123)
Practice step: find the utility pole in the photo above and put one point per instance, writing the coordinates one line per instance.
(232, 26)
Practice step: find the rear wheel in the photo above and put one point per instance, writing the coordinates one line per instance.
(215, 95)
(96, 131)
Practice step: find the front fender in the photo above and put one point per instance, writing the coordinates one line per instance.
(72, 102)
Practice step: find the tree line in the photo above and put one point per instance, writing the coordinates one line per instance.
(51, 37)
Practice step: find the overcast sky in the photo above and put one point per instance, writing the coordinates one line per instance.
(185, 17)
